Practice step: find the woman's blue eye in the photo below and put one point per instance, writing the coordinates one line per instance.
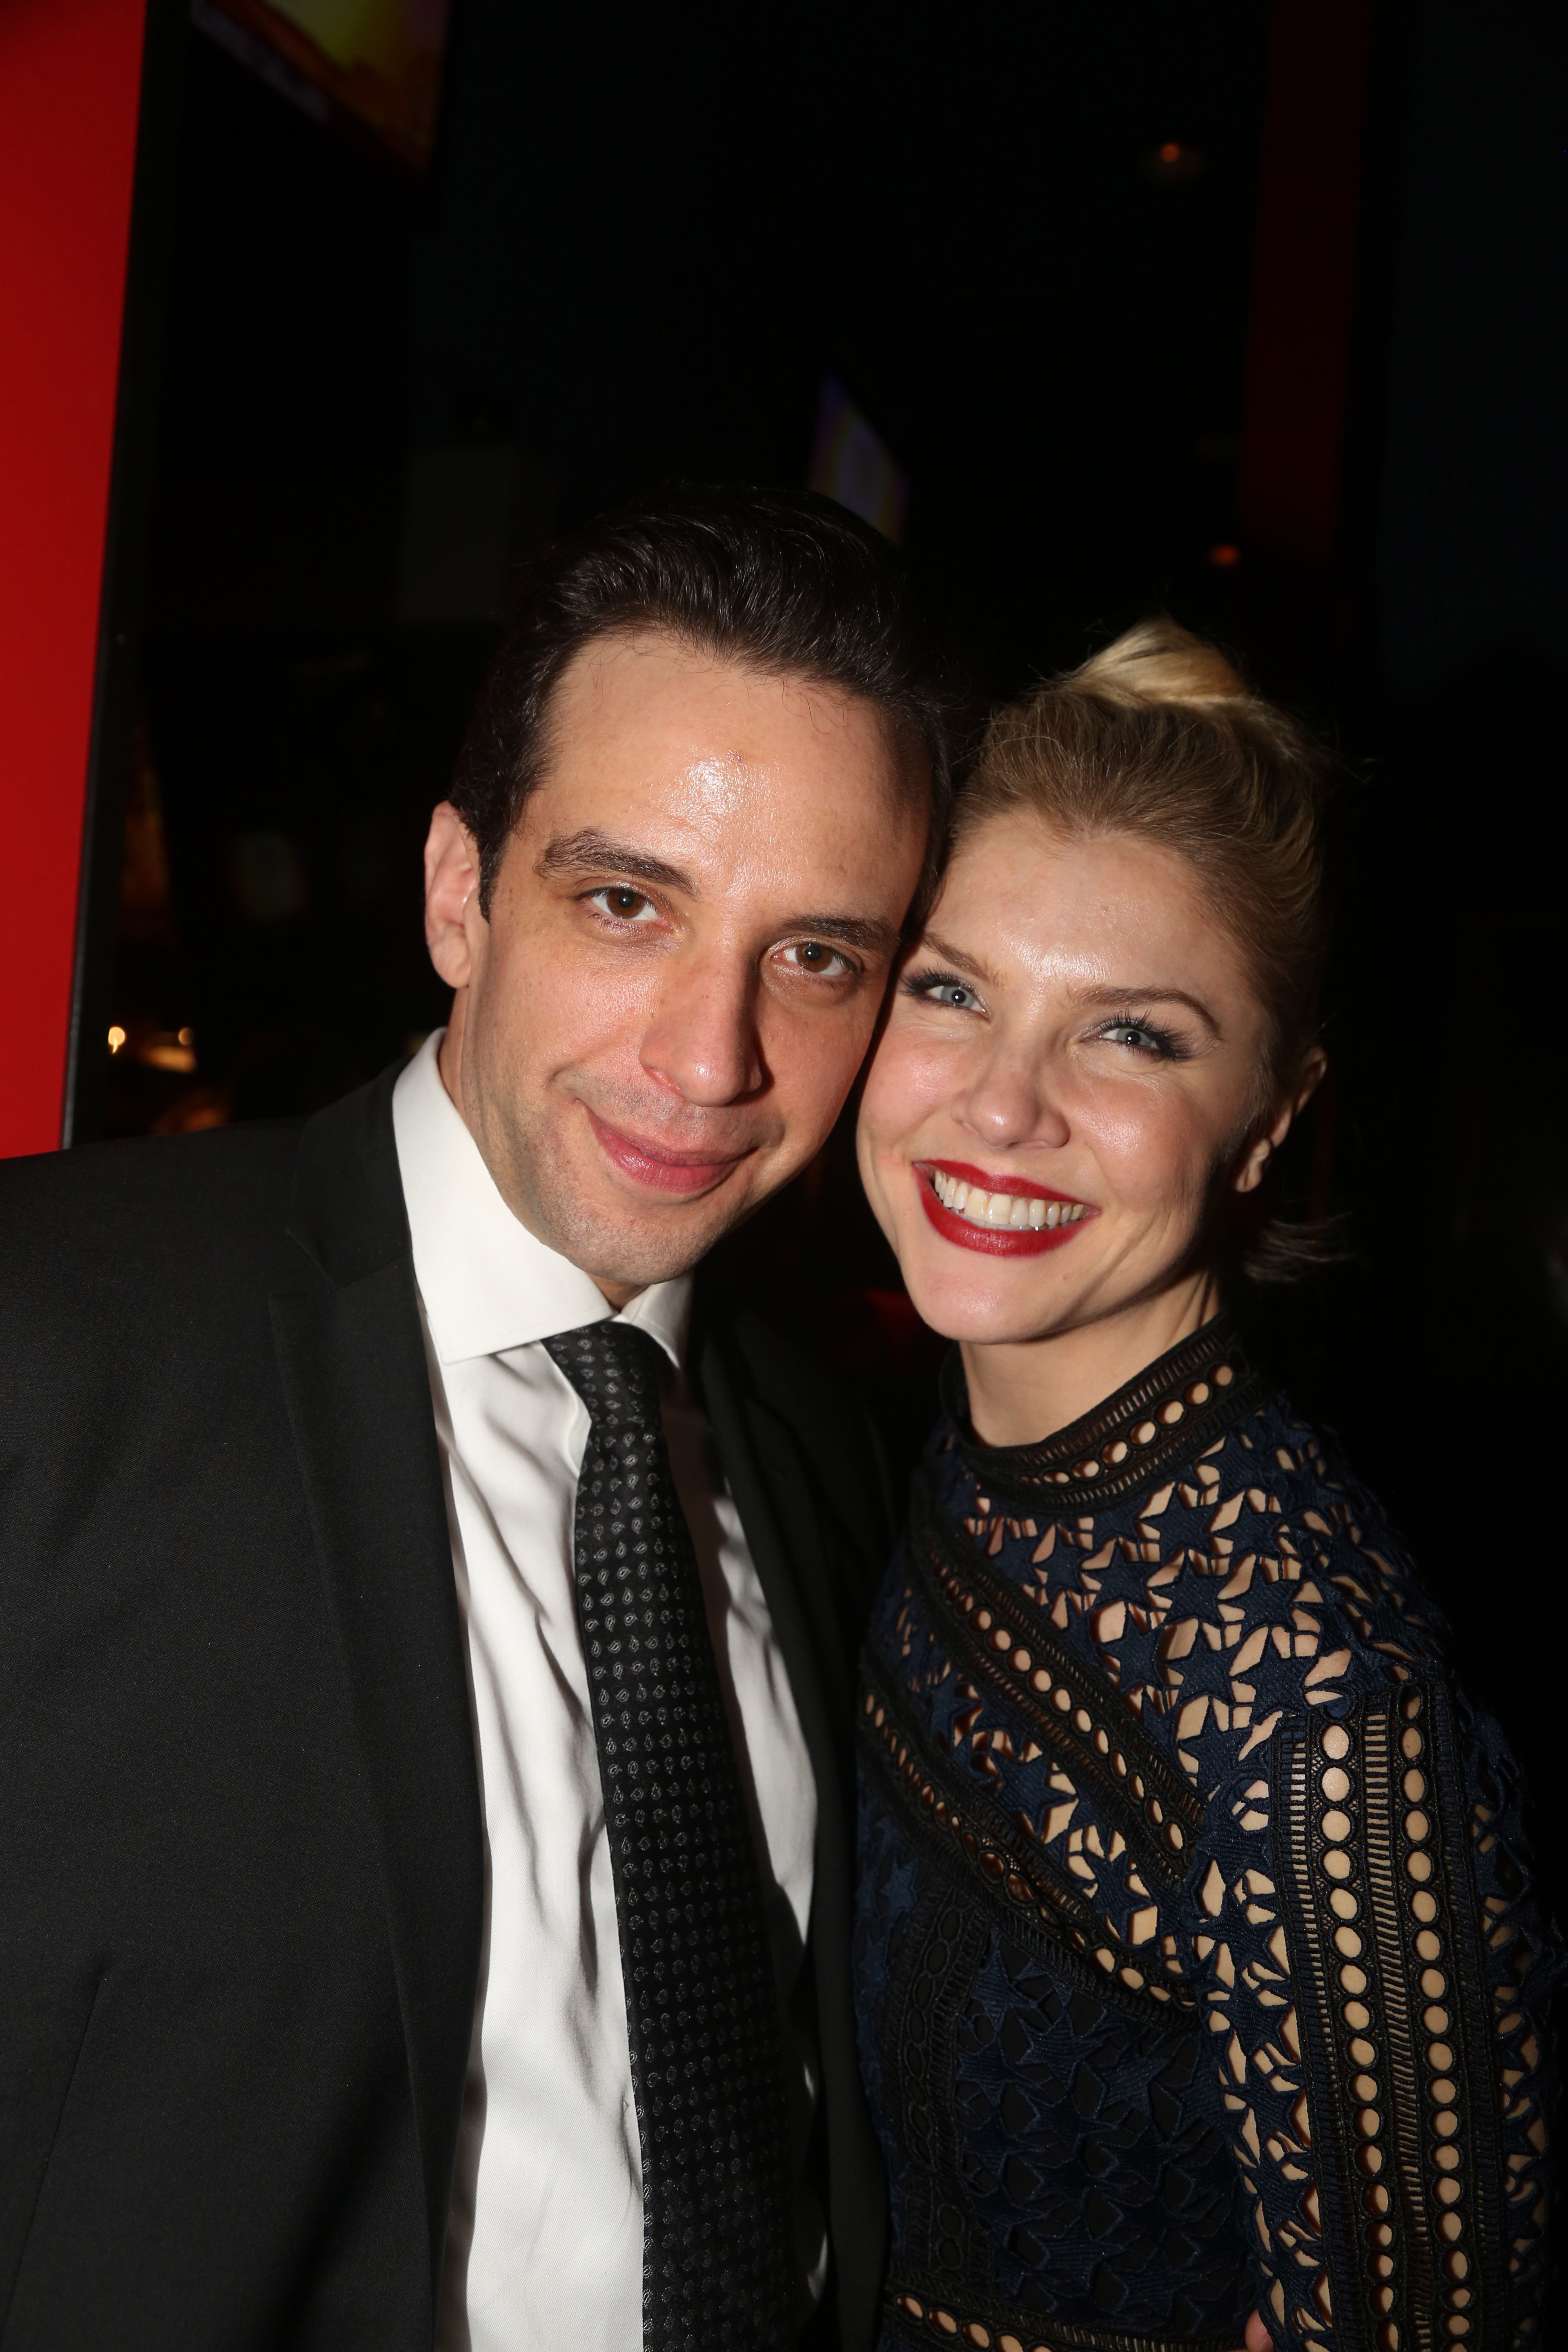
(1140, 1038)
(942, 988)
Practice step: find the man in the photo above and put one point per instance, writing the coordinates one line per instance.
(427, 1633)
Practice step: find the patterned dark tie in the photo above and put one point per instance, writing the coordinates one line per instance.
(702, 2009)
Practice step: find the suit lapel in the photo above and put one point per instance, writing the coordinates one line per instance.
(773, 1495)
(764, 1468)
(345, 1320)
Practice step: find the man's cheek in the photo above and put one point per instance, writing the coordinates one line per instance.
(576, 1011)
(813, 1075)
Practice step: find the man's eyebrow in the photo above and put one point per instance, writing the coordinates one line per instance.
(591, 851)
(1123, 997)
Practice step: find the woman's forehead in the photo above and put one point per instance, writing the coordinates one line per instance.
(1019, 893)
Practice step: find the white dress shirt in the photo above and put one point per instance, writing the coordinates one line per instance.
(544, 2237)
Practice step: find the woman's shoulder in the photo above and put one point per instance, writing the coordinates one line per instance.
(1281, 1589)
(1255, 1578)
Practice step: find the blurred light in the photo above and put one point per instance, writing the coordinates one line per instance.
(1224, 557)
(165, 1052)
(1172, 162)
(116, 1038)
(187, 1036)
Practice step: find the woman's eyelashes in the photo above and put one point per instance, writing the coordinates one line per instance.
(944, 987)
(1135, 1033)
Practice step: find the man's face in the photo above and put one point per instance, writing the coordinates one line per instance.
(687, 948)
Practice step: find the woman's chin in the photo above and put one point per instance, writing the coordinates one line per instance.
(992, 1310)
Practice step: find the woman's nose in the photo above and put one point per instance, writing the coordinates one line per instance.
(1011, 1101)
(702, 1040)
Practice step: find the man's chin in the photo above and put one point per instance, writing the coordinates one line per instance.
(630, 1244)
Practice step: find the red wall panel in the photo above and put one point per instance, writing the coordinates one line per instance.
(70, 83)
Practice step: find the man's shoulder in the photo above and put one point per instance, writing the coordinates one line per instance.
(112, 1218)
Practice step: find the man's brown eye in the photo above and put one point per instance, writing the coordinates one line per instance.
(620, 900)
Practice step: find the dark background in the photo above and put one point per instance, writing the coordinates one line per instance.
(647, 237)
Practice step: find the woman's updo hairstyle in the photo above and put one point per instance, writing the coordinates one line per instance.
(1158, 738)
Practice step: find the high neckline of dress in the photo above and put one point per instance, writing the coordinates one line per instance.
(1166, 1414)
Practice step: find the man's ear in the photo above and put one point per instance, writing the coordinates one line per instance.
(451, 896)
(1260, 1151)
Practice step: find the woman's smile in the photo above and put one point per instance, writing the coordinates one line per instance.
(1004, 1216)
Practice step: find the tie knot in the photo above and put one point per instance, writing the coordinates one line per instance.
(613, 1367)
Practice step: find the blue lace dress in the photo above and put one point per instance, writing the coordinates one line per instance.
(1196, 1960)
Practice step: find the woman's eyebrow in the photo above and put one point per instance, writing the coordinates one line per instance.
(1122, 997)
(936, 945)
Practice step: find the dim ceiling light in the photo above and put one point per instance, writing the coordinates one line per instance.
(1172, 162)
(116, 1039)
(1224, 557)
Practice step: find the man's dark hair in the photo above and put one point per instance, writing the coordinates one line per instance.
(784, 581)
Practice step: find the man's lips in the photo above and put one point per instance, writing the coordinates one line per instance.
(992, 1240)
(655, 1166)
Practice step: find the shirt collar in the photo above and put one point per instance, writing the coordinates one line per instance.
(487, 1283)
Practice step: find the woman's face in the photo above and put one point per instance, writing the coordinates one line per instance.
(1069, 1067)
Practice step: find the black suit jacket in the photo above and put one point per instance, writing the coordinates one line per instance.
(240, 1847)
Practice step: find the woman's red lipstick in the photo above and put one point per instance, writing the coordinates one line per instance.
(995, 1241)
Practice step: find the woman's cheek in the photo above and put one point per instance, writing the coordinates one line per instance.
(909, 1079)
(1151, 1152)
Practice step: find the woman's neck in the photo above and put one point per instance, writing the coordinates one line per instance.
(1023, 1390)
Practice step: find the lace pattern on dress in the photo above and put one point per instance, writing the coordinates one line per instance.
(1248, 2003)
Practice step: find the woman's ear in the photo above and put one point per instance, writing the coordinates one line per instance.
(1254, 1159)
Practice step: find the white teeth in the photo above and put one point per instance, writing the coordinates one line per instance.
(1018, 1211)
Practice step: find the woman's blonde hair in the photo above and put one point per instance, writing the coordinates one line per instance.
(1158, 738)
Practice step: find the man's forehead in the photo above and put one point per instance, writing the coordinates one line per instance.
(656, 677)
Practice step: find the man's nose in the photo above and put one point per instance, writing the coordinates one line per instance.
(703, 1041)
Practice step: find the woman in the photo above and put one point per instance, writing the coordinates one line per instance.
(1196, 1965)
